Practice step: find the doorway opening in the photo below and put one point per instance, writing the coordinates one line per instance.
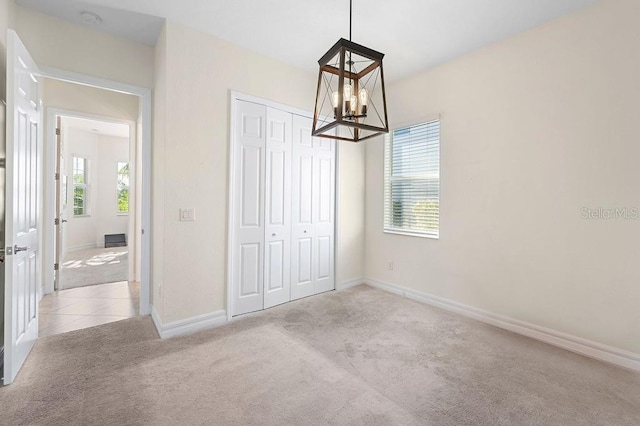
(96, 252)
(94, 269)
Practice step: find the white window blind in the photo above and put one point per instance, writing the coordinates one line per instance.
(412, 180)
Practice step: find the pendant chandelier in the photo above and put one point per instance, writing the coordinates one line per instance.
(351, 103)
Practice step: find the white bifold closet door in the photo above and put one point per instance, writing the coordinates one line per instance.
(249, 182)
(284, 203)
(277, 269)
(313, 207)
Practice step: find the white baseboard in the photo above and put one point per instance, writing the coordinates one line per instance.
(589, 348)
(189, 325)
(348, 284)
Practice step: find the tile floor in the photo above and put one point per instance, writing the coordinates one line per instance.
(84, 307)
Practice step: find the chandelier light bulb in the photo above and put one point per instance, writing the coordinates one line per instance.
(354, 102)
(347, 92)
(335, 99)
(364, 97)
(364, 100)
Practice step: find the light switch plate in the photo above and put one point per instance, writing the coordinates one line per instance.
(187, 215)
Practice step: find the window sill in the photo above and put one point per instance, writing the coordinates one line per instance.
(412, 234)
(81, 215)
(122, 214)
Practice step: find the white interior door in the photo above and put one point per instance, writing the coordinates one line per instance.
(59, 220)
(283, 209)
(248, 245)
(313, 210)
(304, 190)
(277, 273)
(23, 201)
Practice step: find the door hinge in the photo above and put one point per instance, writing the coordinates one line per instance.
(56, 266)
(56, 221)
(56, 176)
(58, 131)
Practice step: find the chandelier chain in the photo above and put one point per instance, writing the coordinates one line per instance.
(350, 17)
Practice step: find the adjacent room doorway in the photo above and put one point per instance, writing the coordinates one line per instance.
(97, 254)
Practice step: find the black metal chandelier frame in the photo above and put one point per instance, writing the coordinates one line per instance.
(349, 115)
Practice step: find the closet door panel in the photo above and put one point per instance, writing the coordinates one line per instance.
(304, 190)
(248, 251)
(278, 208)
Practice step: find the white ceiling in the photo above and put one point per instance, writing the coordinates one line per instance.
(414, 34)
(139, 27)
(102, 128)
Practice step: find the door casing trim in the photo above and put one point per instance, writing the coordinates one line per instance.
(144, 94)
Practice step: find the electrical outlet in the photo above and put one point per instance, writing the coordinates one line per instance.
(187, 215)
(390, 266)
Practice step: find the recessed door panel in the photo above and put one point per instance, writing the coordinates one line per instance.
(324, 257)
(276, 200)
(304, 137)
(250, 270)
(324, 281)
(250, 189)
(304, 261)
(20, 307)
(33, 287)
(274, 266)
(305, 193)
(23, 176)
(324, 144)
(252, 126)
(278, 130)
(325, 191)
(302, 285)
(33, 176)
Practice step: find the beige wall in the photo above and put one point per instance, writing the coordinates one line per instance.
(62, 44)
(158, 178)
(534, 129)
(190, 161)
(351, 204)
(90, 100)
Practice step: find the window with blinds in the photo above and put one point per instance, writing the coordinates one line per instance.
(412, 180)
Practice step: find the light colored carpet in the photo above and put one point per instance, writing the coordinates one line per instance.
(357, 357)
(94, 266)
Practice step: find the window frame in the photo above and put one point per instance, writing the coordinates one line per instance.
(410, 232)
(85, 186)
(118, 212)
